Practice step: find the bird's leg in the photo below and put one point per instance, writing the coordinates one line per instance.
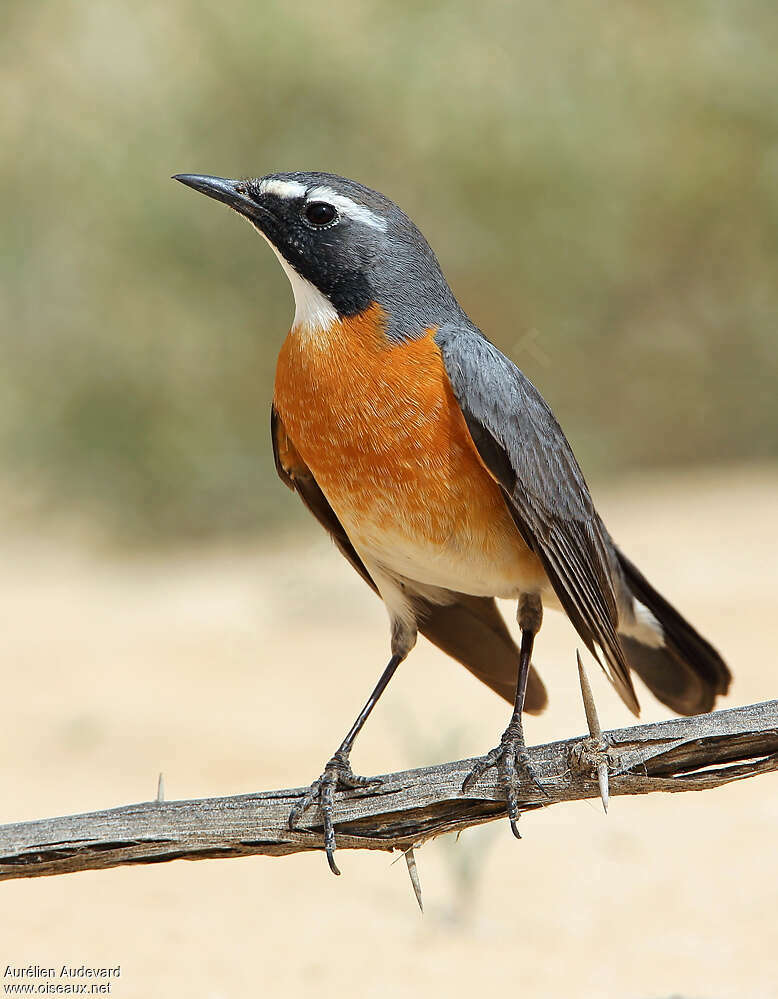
(338, 772)
(512, 749)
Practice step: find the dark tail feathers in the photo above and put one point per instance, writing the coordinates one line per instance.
(472, 630)
(687, 673)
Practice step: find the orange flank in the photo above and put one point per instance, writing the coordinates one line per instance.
(379, 427)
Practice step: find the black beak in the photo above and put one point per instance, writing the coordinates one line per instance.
(231, 192)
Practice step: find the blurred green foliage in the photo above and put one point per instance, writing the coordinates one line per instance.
(600, 181)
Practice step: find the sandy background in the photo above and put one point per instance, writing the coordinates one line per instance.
(599, 181)
(234, 669)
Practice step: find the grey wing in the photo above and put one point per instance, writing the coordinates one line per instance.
(523, 446)
(469, 629)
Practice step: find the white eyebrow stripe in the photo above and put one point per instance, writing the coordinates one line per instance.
(348, 207)
(283, 188)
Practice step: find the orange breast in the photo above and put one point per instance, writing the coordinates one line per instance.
(379, 427)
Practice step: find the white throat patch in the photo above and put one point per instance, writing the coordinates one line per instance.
(314, 313)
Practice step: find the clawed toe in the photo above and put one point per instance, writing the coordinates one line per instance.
(337, 774)
(509, 757)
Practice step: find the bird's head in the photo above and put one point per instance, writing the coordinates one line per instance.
(343, 247)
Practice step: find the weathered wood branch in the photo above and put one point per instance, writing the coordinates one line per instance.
(684, 754)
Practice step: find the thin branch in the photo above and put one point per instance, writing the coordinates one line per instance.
(683, 754)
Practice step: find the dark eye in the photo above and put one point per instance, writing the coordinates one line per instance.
(319, 213)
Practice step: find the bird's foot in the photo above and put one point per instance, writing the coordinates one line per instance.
(337, 775)
(509, 758)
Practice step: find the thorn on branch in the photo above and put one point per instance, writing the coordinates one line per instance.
(692, 753)
(593, 753)
(413, 872)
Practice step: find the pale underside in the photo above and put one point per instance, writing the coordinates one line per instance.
(461, 558)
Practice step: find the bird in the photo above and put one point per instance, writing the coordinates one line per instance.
(441, 473)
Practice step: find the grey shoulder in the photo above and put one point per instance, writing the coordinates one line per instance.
(499, 399)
